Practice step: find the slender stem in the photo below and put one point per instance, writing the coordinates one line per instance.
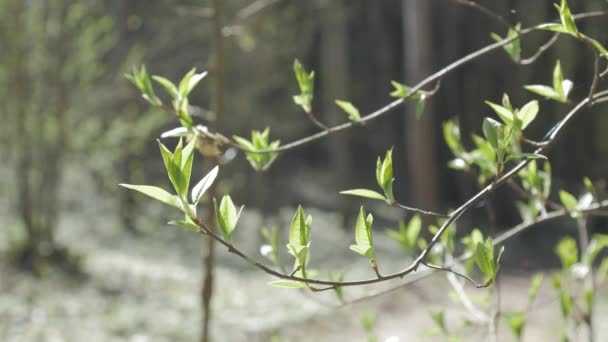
(540, 50)
(488, 12)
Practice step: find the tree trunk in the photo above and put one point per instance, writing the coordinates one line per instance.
(334, 81)
(419, 134)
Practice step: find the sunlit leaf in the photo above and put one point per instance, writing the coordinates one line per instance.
(156, 193)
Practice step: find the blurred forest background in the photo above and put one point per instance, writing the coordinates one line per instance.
(72, 128)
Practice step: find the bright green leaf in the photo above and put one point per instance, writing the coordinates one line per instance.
(364, 193)
(528, 113)
(351, 111)
(567, 200)
(505, 114)
(156, 193)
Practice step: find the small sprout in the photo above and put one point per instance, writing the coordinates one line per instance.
(513, 48)
(567, 251)
(363, 235)
(299, 238)
(384, 175)
(516, 322)
(484, 258)
(402, 91)
(259, 142)
(227, 216)
(306, 83)
(350, 110)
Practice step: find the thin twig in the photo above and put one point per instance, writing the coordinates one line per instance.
(432, 78)
(311, 116)
(464, 276)
(596, 77)
(419, 211)
(488, 12)
(540, 50)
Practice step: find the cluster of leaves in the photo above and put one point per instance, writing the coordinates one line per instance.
(501, 141)
(260, 141)
(568, 26)
(178, 93)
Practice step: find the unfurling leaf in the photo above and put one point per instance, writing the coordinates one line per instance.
(516, 322)
(350, 110)
(227, 216)
(567, 251)
(363, 235)
(299, 237)
(491, 130)
(534, 286)
(567, 200)
(484, 257)
(306, 83)
(402, 91)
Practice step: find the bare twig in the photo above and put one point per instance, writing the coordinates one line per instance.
(311, 116)
(540, 50)
(419, 211)
(596, 77)
(464, 276)
(486, 11)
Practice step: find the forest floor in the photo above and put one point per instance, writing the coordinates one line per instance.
(145, 287)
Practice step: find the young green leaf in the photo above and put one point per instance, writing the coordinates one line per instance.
(363, 235)
(306, 82)
(364, 193)
(297, 231)
(439, 319)
(567, 251)
(420, 105)
(351, 111)
(505, 114)
(156, 193)
(534, 286)
(528, 113)
(173, 170)
(384, 174)
(227, 216)
(558, 78)
(516, 322)
(168, 85)
(491, 129)
(203, 185)
(513, 48)
(567, 200)
(402, 91)
(484, 257)
(566, 17)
